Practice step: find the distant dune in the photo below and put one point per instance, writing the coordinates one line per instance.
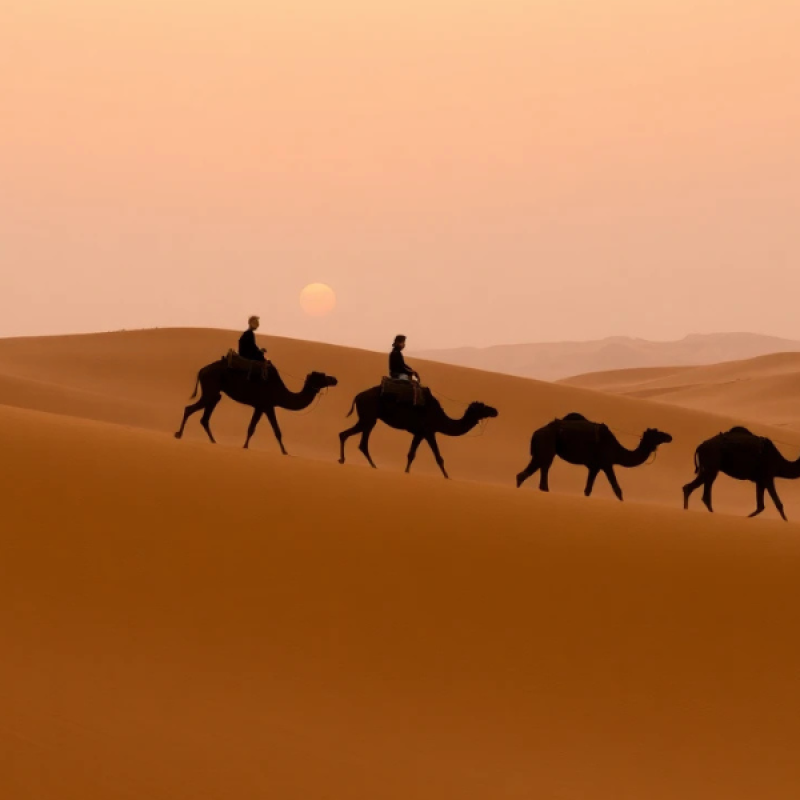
(764, 389)
(183, 620)
(558, 360)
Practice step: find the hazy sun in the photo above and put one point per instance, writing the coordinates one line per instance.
(317, 299)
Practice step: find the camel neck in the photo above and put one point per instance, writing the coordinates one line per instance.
(633, 458)
(457, 427)
(295, 401)
(789, 470)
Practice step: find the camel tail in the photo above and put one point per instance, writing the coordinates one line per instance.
(196, 385)
(696, 461)
(352, 408)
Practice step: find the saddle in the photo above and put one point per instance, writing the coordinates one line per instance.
(253, 369)
(403, 392)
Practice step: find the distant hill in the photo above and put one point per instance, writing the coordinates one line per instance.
(554, 361)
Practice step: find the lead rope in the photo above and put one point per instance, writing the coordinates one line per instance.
(314, 403)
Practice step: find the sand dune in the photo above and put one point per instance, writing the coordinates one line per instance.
(764, 389)
(180, 620)
(144, 379)
(557, 360)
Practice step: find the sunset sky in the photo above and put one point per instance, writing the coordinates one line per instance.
(461, 172)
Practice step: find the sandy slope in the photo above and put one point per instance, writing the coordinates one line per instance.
(144, 379)
(179, 620)
(766, 389)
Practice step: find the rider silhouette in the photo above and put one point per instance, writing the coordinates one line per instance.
(247, 342)
(398, 369)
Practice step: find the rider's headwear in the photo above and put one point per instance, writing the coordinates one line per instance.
(253, 319)
(399, 339)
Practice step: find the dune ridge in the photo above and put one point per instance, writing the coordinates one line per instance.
(764, 389)
(182, 620)
(558, 360)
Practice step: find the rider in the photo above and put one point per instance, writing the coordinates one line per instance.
(398, 369)
(247, 342)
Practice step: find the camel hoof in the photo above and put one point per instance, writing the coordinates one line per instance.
(178, 435)
(341, 461)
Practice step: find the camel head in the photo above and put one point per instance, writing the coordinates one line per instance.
(319, 380)
(481, 411)
(653, 437)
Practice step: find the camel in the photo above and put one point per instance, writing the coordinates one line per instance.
(576, 440)
(742, 455)
(423, 422)
(263, 396)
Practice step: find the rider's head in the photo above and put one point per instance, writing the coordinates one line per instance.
(399, 342)
(253, 322)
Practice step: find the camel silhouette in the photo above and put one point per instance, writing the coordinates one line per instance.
(423, 422)
(263, 396)
(742, 455)
(578, 441)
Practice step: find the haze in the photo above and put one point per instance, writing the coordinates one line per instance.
(466, 173)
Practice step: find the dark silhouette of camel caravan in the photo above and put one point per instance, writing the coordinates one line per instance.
(579, 441)
(742, 455)
(251, 383)
(405, 407)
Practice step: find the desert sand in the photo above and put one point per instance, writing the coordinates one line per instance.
(184, 620)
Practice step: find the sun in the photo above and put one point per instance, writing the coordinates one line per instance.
(317, 300)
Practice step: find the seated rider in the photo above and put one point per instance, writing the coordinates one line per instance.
(398, 369)
(247, 342)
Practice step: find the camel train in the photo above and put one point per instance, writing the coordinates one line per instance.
(738, 452)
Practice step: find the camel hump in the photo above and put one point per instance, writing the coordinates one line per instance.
(574, 416)
(740, 429)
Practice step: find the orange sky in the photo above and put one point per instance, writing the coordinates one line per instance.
(464, 172)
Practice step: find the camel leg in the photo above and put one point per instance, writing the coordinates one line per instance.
(593, 473)
(205, 420)
(363, 445)
(690, 487)
(345, 435)
(544, 475)
(760, 489)
(527, 472)
(773, 493)
(187, 412)
(612, 479)
(269, 412)
(415, 443)
(708, 483)
(434, 445)
(251, 428)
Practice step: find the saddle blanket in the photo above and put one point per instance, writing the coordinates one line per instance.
(235, 362)
(403, 392)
